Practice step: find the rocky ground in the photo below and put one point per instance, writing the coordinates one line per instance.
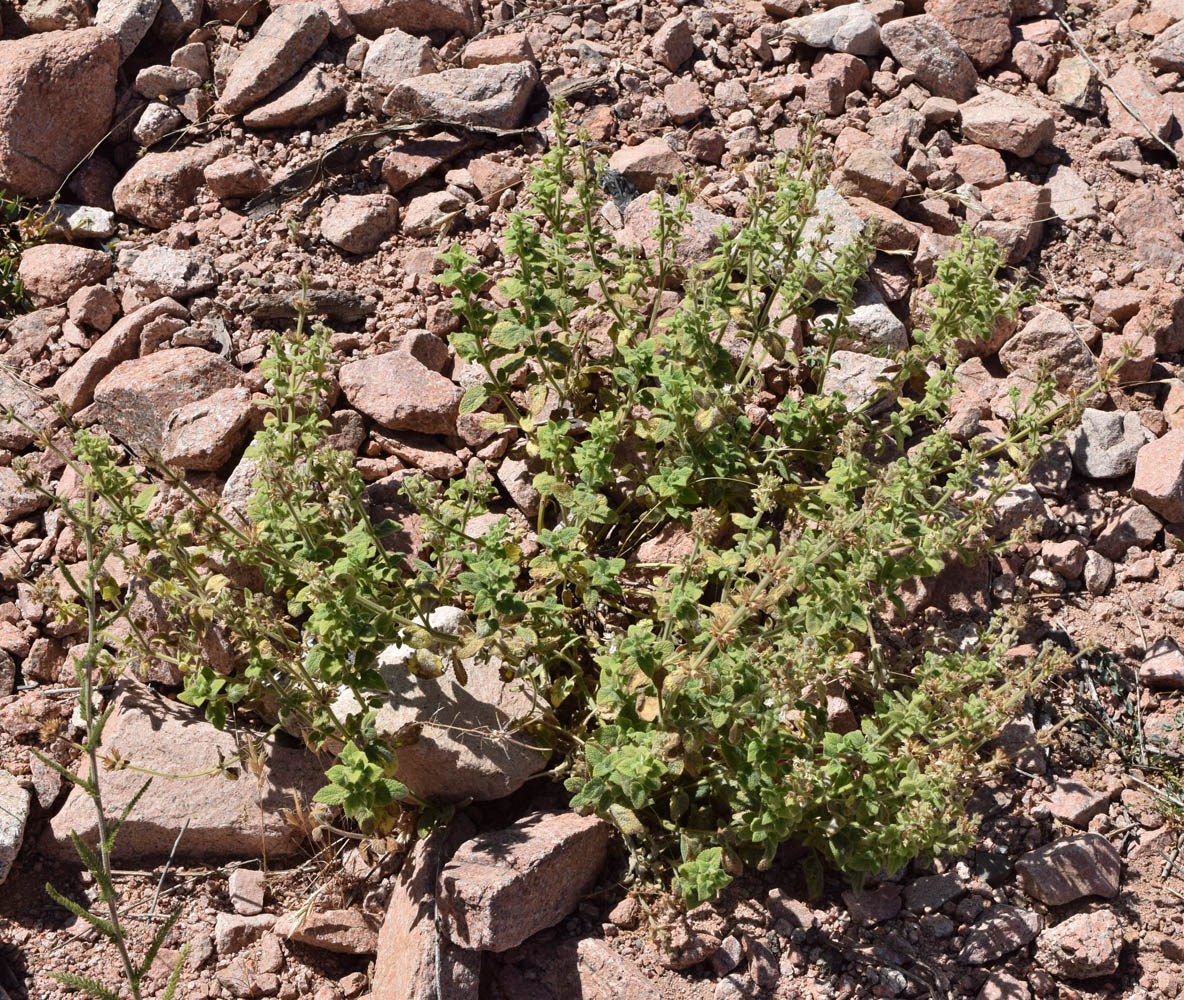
(175, 251)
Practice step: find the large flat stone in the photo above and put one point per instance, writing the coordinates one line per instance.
(227, 819)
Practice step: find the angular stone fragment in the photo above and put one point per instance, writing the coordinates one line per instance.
(1159, 476)
(1084, 946)
(846, 28)
(225, 819)
(1051, 337)
(1000, 121)
(348, 932)
(285, 42)
(373, 17)
(127, 20)
(1167, 54)
(415, 961)
(468, 745)
(179, 274)
(1147, 218)
(673, 43)
(860, 379)
(307, 96)
(1001, 930)
(1075, 85)
(135, 402)
(27, 403)
(235, 176)
(14, 814)
(1163, 666)
(1018, 212)
(408, 162)
(121, 343)
(359, 223)
(871, 173)
(393, 58)
(1137, 88)
(981, 27)
(1076, 803)
(57, 93)
(648, 164)
(158, 189)
(924, 46)
(502, 887)
(1071, 198)
(1070, 869)
(490, 96)
(401, 394)
(246, 888)
(204, 434)
(53, 272)
(1107, 443)
(234, 931)
(508, 48)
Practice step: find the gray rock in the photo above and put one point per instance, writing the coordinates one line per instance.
(79, 221)
(127, 20)
(1001, 930)
(468, 744)
(1085, 946)
(846, 225)
(847, 28)
(393, 58)
(311, 93)
(922, 45)
(1107, 443)
(157, 121)
(235, 931)
(859, 378)
(871, 325)
(179, 274)
(489, 96)
(14, 814)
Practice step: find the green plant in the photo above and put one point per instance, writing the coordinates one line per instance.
(86, 600)
(718, 544)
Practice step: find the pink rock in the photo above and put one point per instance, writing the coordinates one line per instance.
(1051, 338)
(1036, 62)
(57, 94)
(1159, 476)
(489, 96)
(246, 888)
(53, 272)
(647, 164)
(1148, 220)
(673, 43)
(156, 81)
(1134, 525)
(493, 179)
(430, 214)
(235, 176)
(509, 48)
(401, 394)
(204, 434)
(874, 906)
(979, 165)
(1137, 88)
(235, 931)
(349, 932)
(502, 887)
(1076, 803)
(981, 27)
(413, 160)
(359, 223)
(373, 17)
(76, 387)
(924, 46)
(1070, 869)
(684, 100)
(307, 96)
(1001, 121)
(1084, 946)
(136, 401)
(287, 40)
(870, 173)
(340, 25)
(1018, 210)
(414, 961)
(224, 816)
(158, 189)
(1163, 666)
(393, 58)
(93, 306)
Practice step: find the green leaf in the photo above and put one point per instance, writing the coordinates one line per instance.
(474, 398)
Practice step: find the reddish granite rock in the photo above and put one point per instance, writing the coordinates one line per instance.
(53, 272)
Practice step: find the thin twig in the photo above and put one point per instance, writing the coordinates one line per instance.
(1117, 96)
(164, 874)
